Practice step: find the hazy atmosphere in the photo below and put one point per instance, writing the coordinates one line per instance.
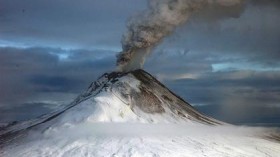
(224, 61)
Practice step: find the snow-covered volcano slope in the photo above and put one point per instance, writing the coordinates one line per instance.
(139, 97)
(133, 114)
(124, 97)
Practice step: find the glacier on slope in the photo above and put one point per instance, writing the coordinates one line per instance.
(133, 114)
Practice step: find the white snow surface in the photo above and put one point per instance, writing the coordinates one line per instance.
(144, 140)
(105, 125)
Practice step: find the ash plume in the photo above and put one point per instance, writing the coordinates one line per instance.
(147, 29)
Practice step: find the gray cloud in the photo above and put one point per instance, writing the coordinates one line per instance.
(44, 83)
(31, 71)
(24, 112)
(236, 96)
(246, 115)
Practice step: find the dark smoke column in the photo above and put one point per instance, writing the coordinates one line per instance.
(147, 29)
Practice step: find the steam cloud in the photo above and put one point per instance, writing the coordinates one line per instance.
(147, 29)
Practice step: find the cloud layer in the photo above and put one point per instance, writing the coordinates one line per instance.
(31, 71)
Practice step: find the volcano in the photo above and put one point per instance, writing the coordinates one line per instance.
(133, 114)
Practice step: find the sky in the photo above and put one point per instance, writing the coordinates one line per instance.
(224, 61)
